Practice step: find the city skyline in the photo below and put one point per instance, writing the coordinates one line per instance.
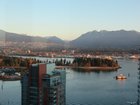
(68, 19)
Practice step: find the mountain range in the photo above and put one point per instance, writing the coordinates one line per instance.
(108, 39)
(14, 37)
(120, 39)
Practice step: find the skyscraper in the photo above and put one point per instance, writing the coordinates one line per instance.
(138, 100)
(43, 85)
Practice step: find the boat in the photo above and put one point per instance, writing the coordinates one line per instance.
(9, 74)
(121, 77)
(4, 76)
(10, 78)
(134, 57)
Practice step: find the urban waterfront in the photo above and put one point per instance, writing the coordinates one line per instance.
(87, 87)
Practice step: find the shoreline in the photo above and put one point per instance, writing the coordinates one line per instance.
(90, 68)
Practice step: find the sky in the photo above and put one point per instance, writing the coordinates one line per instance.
(68, 19)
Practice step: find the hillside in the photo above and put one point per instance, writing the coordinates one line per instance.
(14, 37)
(108, 39)
(54, 39)
(91, 40)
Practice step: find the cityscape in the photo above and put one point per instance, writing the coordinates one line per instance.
(69, 52)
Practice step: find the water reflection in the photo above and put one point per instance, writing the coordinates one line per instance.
(80, 70)
(2, 86)
(10, 93)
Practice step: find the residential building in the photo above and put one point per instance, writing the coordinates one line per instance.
(44, 85)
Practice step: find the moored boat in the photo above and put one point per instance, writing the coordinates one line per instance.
(10, 77)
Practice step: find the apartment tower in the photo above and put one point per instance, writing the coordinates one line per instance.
(44, 85)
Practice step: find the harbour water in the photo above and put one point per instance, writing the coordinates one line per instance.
(88, 87)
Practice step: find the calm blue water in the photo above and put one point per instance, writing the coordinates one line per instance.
(87, 87)
(100, 88)
(10, 93)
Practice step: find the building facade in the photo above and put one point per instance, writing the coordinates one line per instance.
(44, 85)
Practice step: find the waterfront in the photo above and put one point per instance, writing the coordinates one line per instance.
(87, 87)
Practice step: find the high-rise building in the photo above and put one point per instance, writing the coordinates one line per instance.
(44, 85)
(138, 99)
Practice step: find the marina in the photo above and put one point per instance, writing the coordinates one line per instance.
(9, 74)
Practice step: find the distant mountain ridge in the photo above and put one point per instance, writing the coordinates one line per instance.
(54, 39)
(14, 37)
(107, 39)
(120, 39)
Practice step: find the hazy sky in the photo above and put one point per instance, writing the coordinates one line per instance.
(68, 19)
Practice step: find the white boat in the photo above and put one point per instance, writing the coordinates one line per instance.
(121, 76)
(133, 57)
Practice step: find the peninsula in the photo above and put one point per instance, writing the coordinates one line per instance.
(97, 63)
(89, 63)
